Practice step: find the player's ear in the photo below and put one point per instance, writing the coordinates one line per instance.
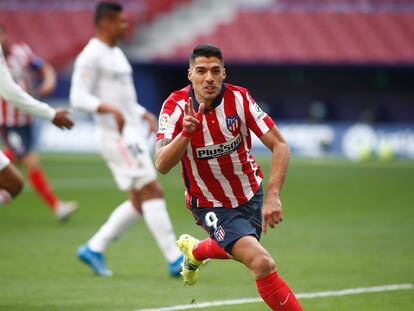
(190, 74)
(224, 73)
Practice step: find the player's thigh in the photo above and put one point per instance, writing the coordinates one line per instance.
(129, 169)
(151, 190)
(224, 225)
(4, 161)
(144, 188)
(146, 181)
(130, 157)
(19, 140)
(252, 210)
(10, 178)
(115, 152)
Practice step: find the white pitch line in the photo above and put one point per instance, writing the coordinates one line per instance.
(334, 293)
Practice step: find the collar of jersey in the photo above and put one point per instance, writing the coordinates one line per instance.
(216, 101)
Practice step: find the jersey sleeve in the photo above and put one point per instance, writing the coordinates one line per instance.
(170, 120)
(15, 95)
(256, 119)
(84, 76)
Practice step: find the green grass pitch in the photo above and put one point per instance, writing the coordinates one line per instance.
(346, 225)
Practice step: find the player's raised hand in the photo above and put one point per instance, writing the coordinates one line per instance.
(272, 212)
(62, 120)
(192, 120)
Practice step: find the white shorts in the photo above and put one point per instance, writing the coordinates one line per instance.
(4, 161)
(129, 161)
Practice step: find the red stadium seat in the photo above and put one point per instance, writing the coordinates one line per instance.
(58, 29)
(321, 36)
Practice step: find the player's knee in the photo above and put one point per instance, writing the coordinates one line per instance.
(263, 265)
(153, 190)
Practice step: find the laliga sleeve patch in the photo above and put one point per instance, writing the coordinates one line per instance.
(258, 113)
(164, 120)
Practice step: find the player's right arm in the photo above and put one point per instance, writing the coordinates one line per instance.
(84, 77)
(15, 95)
(169, 150)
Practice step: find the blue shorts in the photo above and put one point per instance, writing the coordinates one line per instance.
(18, 139)
(228, 225)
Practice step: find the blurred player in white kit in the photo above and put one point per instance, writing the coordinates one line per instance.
(102, 84)
(11, 181)
(16, 126)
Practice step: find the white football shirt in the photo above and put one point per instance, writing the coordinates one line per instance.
(102, 74)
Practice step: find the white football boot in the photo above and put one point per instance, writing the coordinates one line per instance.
(64, 210)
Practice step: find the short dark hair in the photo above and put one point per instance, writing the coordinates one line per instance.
(106, 9)
(206, 50)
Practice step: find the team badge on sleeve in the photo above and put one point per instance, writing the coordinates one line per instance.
(233, 123)
(219, 234)
(164, 119)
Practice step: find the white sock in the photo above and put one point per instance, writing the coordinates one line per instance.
(117, 224)
(5, 197)
(158, 221)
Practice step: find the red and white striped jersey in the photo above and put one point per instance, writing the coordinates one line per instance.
(217, 167)
(20, 61)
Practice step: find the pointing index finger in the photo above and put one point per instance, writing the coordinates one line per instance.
(185, 109)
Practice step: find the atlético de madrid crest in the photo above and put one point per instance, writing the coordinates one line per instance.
(233, 123)
(219, 234)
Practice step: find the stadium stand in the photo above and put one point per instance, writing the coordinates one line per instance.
(58, 29)
(314, 31)
(261, 31)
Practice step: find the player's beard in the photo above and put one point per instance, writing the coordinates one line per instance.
(210, 96)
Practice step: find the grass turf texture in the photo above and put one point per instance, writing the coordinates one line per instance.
(346, 225)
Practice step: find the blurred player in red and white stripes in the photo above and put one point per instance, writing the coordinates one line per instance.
(221, 177)
(16, 125)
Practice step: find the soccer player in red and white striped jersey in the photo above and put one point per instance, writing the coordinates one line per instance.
(16, 125)
(207, 126)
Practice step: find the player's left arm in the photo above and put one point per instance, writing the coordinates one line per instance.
(45, 70)
(272, 206)
(48, 84)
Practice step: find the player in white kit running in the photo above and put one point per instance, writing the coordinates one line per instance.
(11, 181)
(102, 84)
